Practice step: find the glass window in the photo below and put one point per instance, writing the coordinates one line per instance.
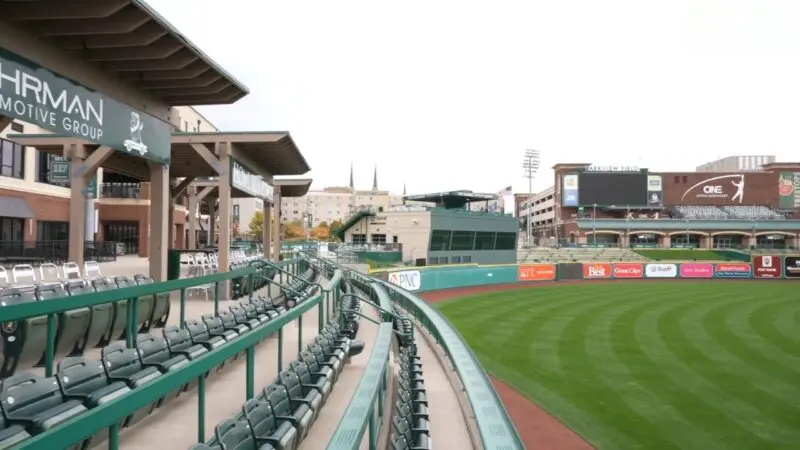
(484, 240)
(440, 240)
(506, 241)
(11, 229)
(44, 165)
(52, 231)
(12, 159)
(463, 240)
(455, 259)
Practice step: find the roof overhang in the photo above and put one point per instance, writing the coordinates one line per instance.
(265, 153)
(132, 42)
(292, 187)
(465, 196)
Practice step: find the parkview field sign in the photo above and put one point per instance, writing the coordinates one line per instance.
(33, 94)
(250, 183)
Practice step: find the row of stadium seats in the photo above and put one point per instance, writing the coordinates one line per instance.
(710, 212)
(567, 254)
(26, 276)
(31, 404)
(410, 421)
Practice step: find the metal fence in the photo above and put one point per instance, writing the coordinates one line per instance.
(120, 190)
(57, 252)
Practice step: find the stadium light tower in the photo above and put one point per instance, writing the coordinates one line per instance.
(530, 166)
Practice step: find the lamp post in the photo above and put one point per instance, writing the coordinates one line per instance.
(530, 166)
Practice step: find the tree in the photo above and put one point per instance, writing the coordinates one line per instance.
(293, 229)
(321, 232)
(257, 224)
(335, 226)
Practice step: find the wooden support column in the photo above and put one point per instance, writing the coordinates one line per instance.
(224, 244)
(82, 169)
(5, 121)
(159, 208)
(195, 200)
(277, 230)
(174, 193)
(266, 229)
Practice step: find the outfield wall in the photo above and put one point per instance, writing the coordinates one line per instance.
(448, 277)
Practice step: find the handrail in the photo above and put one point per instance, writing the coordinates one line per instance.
(272, 265)
(111, 414)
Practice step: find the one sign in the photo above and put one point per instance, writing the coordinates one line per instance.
(768, 266)
(570, 191)
(597, 271)
(410, 280)
(733, 270)
(245, 180)
(613, 169)
(536, 272)
(628, 270)
(661, 270)
(789, 190)
(792, 267)
(694, 270)
(33, 94)
(728, 187)
(59, 169)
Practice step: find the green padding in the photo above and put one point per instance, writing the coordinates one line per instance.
(434, 280)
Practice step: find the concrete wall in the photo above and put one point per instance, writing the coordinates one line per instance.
(412, 228)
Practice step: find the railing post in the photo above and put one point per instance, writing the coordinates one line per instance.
(280, 349)
(113, 437)
(251, 369)
(183, 308)
(129, 335)
(373, 435)
(299, 334)
(250, 286)
(321, 311)
(50, 350)
(216, 298)
(201, 409)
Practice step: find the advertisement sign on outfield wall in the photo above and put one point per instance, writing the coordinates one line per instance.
(595, 271)
(628, 270)
(661, 270)
(733, 270)
(537, 272)
(570, 271)
(697, 270)
(792, 265)
(768, 266)
(410, 280)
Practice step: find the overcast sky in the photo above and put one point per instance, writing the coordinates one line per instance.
(448, 94)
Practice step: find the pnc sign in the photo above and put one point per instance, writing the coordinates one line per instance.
(410, 280)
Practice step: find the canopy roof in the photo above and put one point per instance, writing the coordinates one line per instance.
(451, 199)
(131, 41)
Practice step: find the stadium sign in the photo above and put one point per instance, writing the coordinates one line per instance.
(597, 271)
(767, 266)
(792, 264)
(246, 181)
(613, 169)
(733, 270)
(694, 270)
(718, 187)
(410, 280)
(661, 270)
(628, 270)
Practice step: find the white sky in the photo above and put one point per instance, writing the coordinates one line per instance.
(448, 94)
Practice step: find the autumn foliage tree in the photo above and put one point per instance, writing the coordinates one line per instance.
(321, 232)
(256, 226)
(293, 230)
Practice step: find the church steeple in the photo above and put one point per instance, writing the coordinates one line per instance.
(404, 189)
(375, 179)
(352, 184)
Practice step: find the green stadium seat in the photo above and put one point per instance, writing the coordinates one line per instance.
(317, 372)
(23, 341)
(200, 334)
(154, 352)
(145, 307)
(217, 329)
(261, 308)
(311, 382)
(240, 316)
(36, 403)
(331, 362)
(179, 341)
(267, 429)
(299, 414)
(236, 435)
(229, 323)
(86, 381)
(337, 351)
(205, 447)
(420, 441)
(123, 364)
(161, 305)
(120, 312)
(72, 325)
(252, 313)
(301, 394)
(100, 322)
(11, 435)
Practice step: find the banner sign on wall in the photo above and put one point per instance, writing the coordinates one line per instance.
(695, 270)
(596, 271)
(661, 270)
(410, 280)
(628, 270)
(655, 196)
(733, 270)
(570, 191)
(537, 272)
(768, 266)
(570, 271)
(789, 190)
(792, 267)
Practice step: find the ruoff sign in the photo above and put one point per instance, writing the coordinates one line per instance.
(410, 280)
(722, 187)
(661, 270)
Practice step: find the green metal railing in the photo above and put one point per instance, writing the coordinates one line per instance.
(365, 413)
(111, 414)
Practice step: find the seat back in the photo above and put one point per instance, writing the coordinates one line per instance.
(91, 269)
(26, 395)
(213, 323)
(79, 377)
(123, 281)
(260, 417)
(317, 351)
(249, 310)
(4, 281)
(80, 289)
(310, 360)
(238, 314)
(291, 381)
(235, 435)
(152, 350)
(71, 271)
(278, 398)
(259, 306)
(50, 291)
(49, 273)
(177, 339)
(23, 274)
(103, 284)
(15, 296)
(119, 361)
(198, 331)
(228, 320)
(300, 368)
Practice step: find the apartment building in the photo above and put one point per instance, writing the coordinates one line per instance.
(737, 164)
(34, 194)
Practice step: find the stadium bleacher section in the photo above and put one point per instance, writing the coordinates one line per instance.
(710, 212)
(556, 255)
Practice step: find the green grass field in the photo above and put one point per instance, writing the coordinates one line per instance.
(660, 365)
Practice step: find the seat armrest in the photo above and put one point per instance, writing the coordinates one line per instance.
(302, 400)
(289, 419)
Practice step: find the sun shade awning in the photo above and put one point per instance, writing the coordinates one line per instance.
(16, 208)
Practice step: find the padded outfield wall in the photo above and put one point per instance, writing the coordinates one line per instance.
(764, 267)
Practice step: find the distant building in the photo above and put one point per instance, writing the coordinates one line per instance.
(737, 164)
